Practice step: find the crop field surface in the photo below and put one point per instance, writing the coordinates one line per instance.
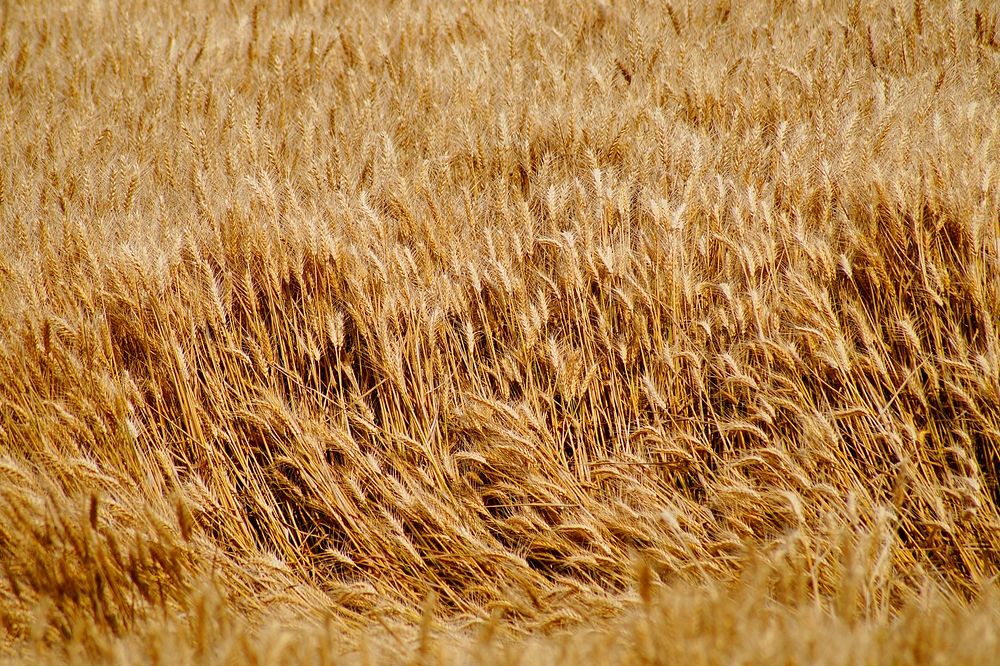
(558, 332)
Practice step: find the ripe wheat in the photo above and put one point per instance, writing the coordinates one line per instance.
(493, 331)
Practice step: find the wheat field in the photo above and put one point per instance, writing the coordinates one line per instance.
(499, 332)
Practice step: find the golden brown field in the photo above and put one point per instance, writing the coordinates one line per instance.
(561, 332)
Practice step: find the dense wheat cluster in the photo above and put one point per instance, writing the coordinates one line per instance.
(556, 332)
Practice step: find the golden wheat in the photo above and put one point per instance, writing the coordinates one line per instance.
(623, 332)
